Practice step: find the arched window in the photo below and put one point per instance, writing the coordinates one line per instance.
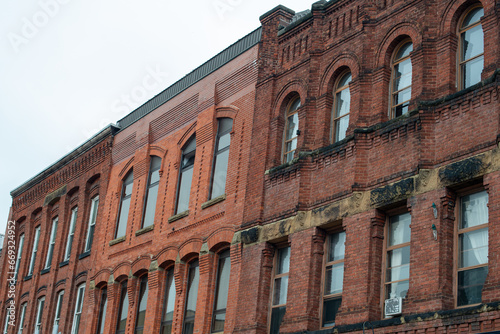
(471, 47)
(291, 129)
(103, 304)
(168, 303)
(121, 227)
(341, 106)
(186, 176)
(193, 280)
(141, 305)
(121, 322)
(401, 79)
(221, 291)
(77, 317)
(152, 192)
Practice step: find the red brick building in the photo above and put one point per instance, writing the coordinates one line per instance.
(336, 170)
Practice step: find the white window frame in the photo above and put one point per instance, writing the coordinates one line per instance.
(57, 316)
(80, 295)
(71, 233)
(34, 251)
(94, 206)
(21, 318)
(39, 314)
(52, 243)
(19, 254)
(6, 326)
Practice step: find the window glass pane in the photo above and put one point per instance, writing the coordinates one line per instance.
(404, 51)
(399, 229)
(128, 188)
(122, 222)
(71, 232)
(19, 253)
(341, 127)
(187, 160)
(334, 278)
(225, 125)
(397, 289)
(149, 214)
(277, 315)
(294, 106)
(143, 301)
(190, 147)
(470, 285)
(184, 190)
(102, 311)
(343, 99)
(220, 174)
(403, 74)
(219, 322)
(280, 290)
(474, 210)
(34, 251)
(170, 297)
(166, 329)
(122, 319)
(473, 17)
(292, 126)
(192, 295)
(472, 42)
(398, 264)
(223, 282)
(346, 79)
(224, 141)
(330, 309)
(471, 71)
(474, 248)
(283, 260)
(155, 163)
(337, 247)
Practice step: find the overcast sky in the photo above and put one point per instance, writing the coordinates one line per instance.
(70, 67)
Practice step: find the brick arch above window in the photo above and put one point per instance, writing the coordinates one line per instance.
(190, 248)
(140, 265)
(340, 64)
(219, 239)
(101, 276)
(122, 270)
(288, 92)
(226, 111)
(392, 39)
(452, 14)
(166, 256)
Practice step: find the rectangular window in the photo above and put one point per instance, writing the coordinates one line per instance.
(52, 243)
(397, 273)
(6, 326)
(102, 311)
(121, 227)
(221, 292)
(472, 248)
(334, 277)
(141, 306)
(19, 255)
(71, 233)
(92, 218)
(221, 157)
(121, 325)
(152, 192)
(57, 317)
(191, 297)
(21, 318)
(169, 303)
(186, 176)
(33, 251)
(280, 288)
(39, 314)
(78, 309)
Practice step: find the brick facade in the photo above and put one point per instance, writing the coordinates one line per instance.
(424, 163)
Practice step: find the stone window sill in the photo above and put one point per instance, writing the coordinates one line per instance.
(64, 263)
(213, 201)
(117, 241)
(178, 216)
(144, 230)
(83, 255)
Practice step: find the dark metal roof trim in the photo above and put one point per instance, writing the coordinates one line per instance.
(86, 146)
(216, 62)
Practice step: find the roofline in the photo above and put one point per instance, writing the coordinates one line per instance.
(109, 130)
(213, 64)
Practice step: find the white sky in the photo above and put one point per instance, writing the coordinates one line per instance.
(70, 67)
